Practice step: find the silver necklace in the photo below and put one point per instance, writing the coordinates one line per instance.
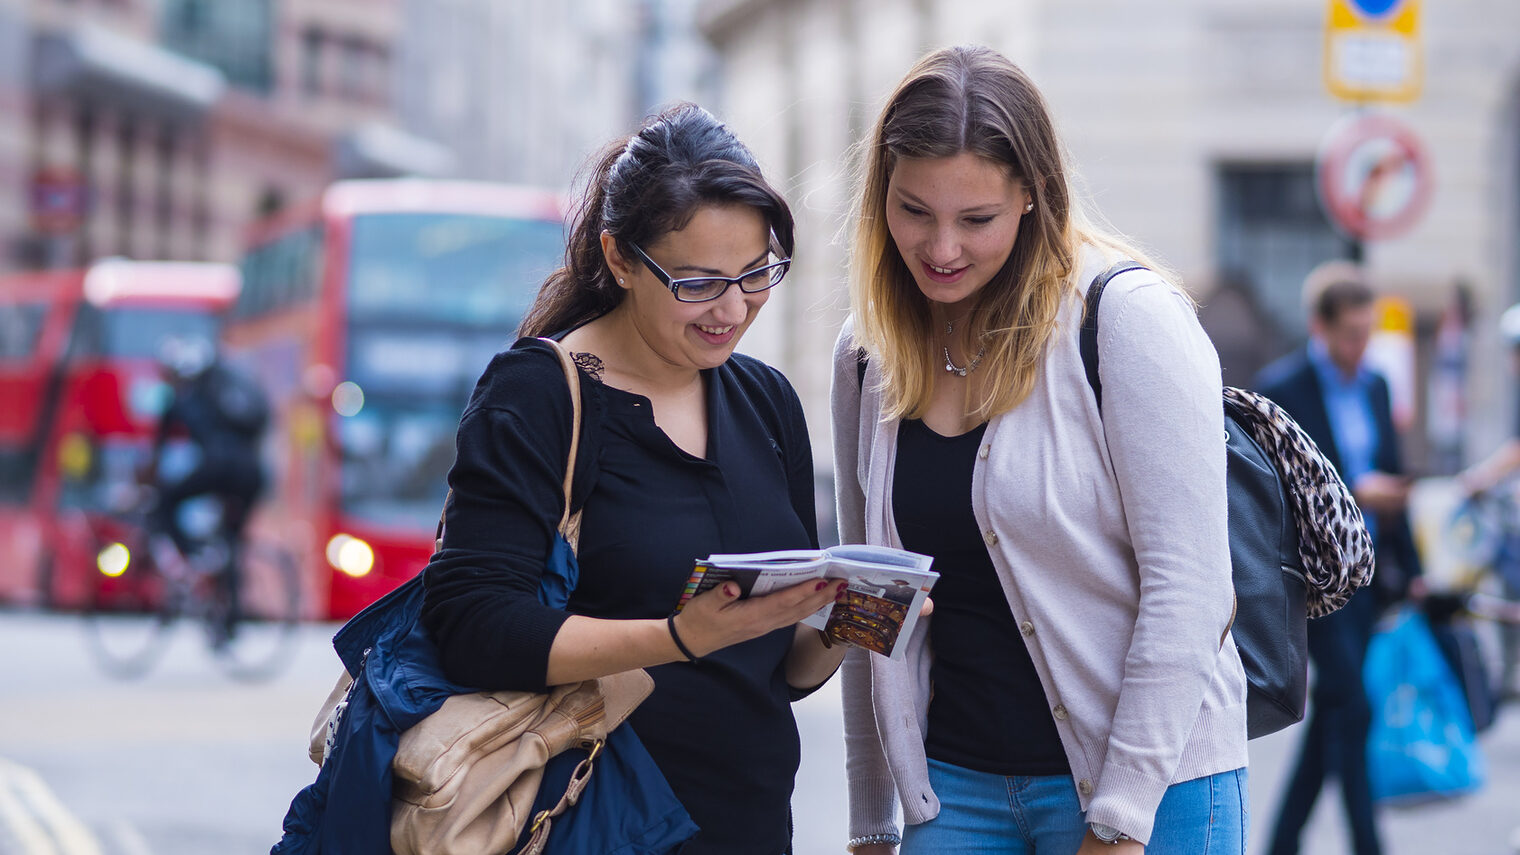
(950, 365)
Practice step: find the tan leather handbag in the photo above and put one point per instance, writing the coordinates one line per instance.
(466, 777)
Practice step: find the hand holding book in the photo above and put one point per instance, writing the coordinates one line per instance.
(884, 592)
(724, 615)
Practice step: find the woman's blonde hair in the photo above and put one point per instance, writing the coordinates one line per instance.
(954, 100)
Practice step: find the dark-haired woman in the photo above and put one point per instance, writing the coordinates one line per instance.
(693, 450)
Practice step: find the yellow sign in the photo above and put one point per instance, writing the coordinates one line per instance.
(1372, 50)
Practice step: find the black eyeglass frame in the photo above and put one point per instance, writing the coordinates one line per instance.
(675, 284)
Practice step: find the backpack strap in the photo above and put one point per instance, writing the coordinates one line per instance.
(569, 523)
(1090, 323)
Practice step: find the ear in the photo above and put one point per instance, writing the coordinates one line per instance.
(622, 271)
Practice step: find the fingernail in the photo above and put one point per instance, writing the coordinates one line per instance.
(730, 590)
(820, 586)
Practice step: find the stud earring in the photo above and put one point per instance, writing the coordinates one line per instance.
(622, 281)
(1029, 207)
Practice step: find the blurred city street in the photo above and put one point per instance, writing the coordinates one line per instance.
(185, 762)
(349, 208)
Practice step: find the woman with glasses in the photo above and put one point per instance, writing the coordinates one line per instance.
(688, 449)
(1076, 689)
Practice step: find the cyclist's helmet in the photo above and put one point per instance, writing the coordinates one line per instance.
(186, 356)
(1509, 325)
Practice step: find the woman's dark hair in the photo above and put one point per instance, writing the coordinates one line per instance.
(641, 189)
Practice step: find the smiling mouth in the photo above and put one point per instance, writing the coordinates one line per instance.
(715, 330)
(944, 271)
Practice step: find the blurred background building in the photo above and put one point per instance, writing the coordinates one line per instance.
(162, 128)
(1195, 124)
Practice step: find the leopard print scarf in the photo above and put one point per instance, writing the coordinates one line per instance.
(1332, 538)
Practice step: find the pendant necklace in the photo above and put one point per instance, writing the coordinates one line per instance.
(950, 365)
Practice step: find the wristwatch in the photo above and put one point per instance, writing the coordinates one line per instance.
(1107, 833)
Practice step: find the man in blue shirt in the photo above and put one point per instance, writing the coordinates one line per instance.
(1344, 406)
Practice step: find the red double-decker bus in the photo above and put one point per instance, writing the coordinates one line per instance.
(368, 315)
(80, 397)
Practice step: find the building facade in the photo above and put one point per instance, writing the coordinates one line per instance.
(161, 129)
(1194, 125)
(526, 92)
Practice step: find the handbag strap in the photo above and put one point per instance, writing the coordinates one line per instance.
(569, 523)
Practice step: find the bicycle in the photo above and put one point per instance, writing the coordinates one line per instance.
(143, 586)
(1485, 528)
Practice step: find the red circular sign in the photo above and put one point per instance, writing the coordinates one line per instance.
(1373, 176)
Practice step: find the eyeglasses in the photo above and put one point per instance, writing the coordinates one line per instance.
(700, 289)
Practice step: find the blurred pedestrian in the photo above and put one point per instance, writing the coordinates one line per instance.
(1344, 406)
(697, 450)
(1086, 695)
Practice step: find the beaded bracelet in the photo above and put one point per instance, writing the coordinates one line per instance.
(889, 838)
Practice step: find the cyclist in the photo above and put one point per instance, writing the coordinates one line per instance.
(1489, 474)
(223, 413)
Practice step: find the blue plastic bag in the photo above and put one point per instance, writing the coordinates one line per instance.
(1422, 746)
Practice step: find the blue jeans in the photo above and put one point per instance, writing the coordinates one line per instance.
(997, 815)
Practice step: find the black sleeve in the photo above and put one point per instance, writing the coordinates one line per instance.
(799, 461)
(481, 603)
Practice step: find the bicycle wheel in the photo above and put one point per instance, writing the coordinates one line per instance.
(129, 612)
(260, 637)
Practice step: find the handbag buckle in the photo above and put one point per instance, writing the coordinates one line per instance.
(538, 819)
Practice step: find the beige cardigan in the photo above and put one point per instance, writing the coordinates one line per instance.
(1110, 537)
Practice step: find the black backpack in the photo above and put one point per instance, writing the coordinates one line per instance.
(1271, 592)
(239, 402)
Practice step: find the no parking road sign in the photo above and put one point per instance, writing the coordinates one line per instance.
(1372, 50)
(1373, 176)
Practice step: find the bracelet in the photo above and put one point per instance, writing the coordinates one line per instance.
(670, 621)
(890, 838)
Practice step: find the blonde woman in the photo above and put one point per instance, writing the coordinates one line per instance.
(1076, 689)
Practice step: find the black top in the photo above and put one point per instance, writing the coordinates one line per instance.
(721, 730)
(988, 711)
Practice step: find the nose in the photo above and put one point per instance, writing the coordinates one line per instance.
(731, 306)
(944, 246)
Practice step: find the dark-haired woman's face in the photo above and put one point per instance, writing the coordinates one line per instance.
(954, 220)
(720, 240)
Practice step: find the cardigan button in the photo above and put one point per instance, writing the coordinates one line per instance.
(1085, 786)
(1059, 712)
(1027, 628)
(985, 450)
(990, 536)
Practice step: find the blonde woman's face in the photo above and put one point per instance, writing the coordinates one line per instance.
(954, 220)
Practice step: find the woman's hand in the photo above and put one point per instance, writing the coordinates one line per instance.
(1093, 846)
(718, 618)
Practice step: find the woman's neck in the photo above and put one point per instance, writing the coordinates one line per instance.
(631, 363)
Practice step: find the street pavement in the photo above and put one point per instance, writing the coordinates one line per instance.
(187, 762)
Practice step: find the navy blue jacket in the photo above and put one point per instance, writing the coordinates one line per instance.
(1292, 383)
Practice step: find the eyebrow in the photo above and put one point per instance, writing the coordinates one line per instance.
(711, 272)
(986, 207)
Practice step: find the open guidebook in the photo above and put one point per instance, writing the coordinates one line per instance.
(887, 588)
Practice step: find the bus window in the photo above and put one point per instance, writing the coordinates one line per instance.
(431, 298)
(280, 274)
(20, 329)
(476, 271)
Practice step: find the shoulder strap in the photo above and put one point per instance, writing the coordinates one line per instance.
(1090, 323)
(569, 523)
